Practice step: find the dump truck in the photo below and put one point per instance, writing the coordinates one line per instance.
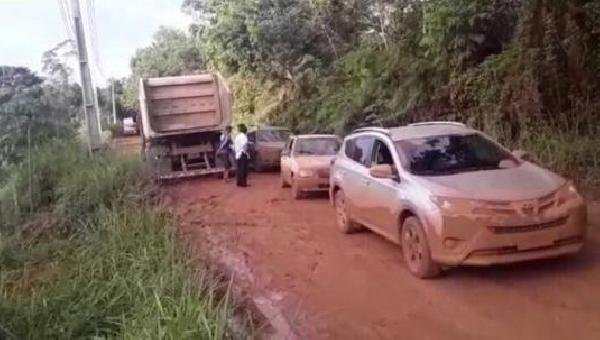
(182, 119)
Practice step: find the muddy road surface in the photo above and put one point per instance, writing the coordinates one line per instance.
(322, 284)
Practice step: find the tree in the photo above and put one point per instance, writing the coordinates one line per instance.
(172, 53)
(461, 33)
(29, 114)
(61, 94)
(33, 109)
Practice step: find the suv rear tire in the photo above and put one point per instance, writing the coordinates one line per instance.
(416, 251)
(344, 222)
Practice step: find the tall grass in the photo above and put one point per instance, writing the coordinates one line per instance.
(569, 149)
(84, 252)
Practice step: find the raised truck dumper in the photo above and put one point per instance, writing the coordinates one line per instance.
(182, 119)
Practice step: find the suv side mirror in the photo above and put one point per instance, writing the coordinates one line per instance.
(522, 155)
(382, 171)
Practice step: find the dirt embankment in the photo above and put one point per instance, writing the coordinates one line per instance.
(317, 283)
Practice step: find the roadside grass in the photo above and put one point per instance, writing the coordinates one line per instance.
(573, 152)
(571, 149)
(85, 252)
(575, 156)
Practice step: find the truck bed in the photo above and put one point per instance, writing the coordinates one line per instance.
(186, 104)
(182, 118)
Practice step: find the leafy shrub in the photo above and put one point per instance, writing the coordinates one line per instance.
(59, 177)
(85, 253)
(126, 278)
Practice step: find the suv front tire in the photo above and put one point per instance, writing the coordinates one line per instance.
(416, 251)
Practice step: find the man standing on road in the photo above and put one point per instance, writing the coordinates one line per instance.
(240, 145)
(225, 151)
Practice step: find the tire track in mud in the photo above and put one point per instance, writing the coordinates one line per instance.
(312, 282)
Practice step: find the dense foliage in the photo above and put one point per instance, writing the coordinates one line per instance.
(172, 53)
(34, 110)
(524, 71)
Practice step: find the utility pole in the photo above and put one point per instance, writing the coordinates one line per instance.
(112, 83)
(89, 107)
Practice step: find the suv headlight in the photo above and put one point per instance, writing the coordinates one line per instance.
(566, 193)
(306, 173)
(455, 205)
(459, 206)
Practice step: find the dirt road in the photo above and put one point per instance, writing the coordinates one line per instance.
(330, 285)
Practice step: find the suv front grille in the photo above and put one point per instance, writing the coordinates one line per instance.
(528, 228)
(531, 207)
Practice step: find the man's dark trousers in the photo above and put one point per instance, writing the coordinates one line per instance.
(241, 171)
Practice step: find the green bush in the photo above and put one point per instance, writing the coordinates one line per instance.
(61, 179)
(115, 129)
(86, 253)
(31, 185)
(126, 278)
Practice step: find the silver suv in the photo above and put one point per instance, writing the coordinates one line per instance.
(449, 195)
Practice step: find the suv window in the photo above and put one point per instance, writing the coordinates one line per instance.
(360, 149)
(382, 154)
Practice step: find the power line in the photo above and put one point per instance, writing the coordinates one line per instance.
(90, 23)
(90, 11)
(87, 23)
(66, 18)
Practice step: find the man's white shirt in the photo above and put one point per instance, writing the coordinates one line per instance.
(240, 145)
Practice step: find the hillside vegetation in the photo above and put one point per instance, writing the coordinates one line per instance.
(525, 71)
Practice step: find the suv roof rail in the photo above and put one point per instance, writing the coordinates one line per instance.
(372, 129)
(438, 123)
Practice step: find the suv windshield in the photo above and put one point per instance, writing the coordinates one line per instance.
(316, 146)
(449, 154)
(273, 135)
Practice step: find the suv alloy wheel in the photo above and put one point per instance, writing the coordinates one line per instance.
(415, 249)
